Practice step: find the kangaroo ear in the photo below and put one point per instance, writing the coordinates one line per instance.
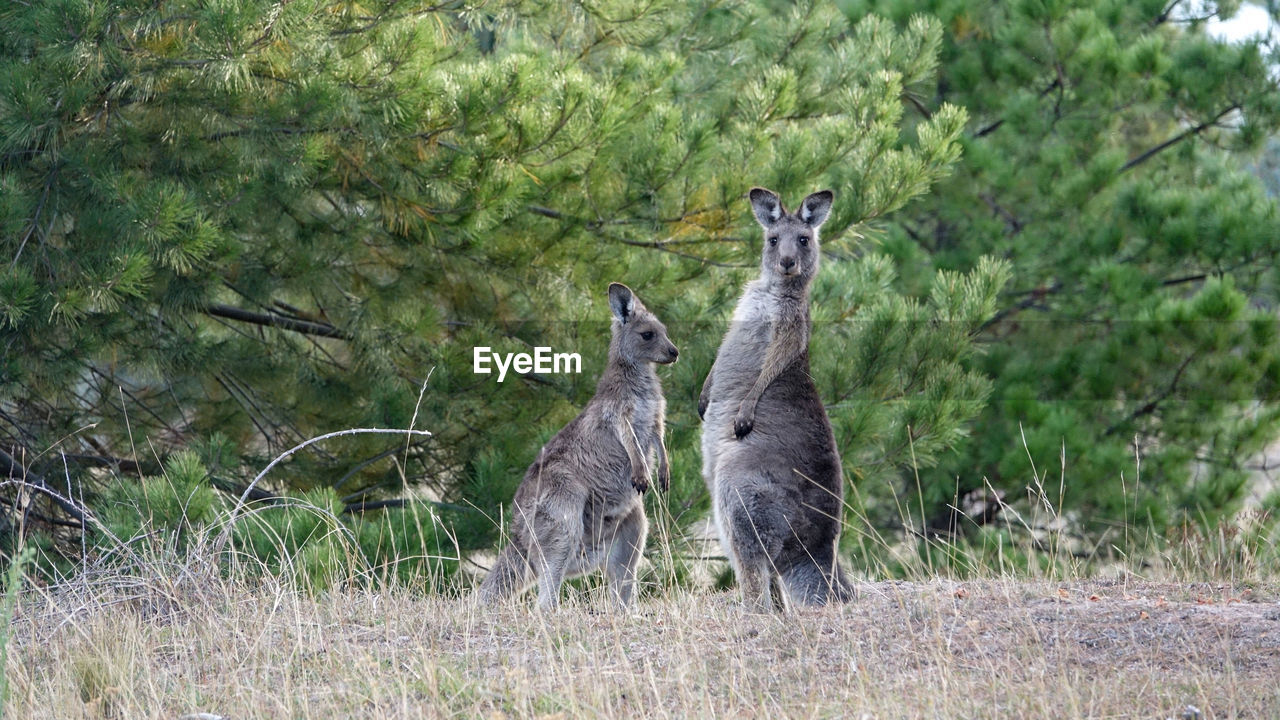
(814, 209)
(621, 301)
(766, 205)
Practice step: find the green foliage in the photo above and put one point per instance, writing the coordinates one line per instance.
(180, 502)
(413, 545)
(13, 576)
(306, 537)
(1136, 349)
(238, 225)
(234, 226)
(891, 367)
(300, 536)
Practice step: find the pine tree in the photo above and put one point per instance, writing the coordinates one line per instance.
(240, 224)
(1135, 354)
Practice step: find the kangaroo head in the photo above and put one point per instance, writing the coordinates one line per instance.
(638, 336)
(790, 239)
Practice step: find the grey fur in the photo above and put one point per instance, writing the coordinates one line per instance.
(579, 507)
(769, 456)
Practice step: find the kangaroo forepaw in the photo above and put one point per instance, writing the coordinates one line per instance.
(703, 402)
(664, 479)
(743, 424)
(640, 483)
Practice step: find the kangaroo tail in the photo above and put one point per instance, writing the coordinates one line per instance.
(842, 590)
(510, 575)
(818, 583)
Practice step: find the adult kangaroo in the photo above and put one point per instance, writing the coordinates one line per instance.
(768, 453)
(579, 507)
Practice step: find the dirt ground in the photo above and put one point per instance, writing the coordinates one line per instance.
(937, 649)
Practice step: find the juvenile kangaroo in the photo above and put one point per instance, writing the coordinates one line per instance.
(768, 453)
(579, 506)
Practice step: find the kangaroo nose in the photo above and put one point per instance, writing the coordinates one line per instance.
(787, 263)
(673, 352)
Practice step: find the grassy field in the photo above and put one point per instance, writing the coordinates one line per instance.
(181, 641)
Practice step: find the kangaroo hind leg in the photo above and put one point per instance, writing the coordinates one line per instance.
(756, 539)
(510, 575)
(557, 534)
(625, 550)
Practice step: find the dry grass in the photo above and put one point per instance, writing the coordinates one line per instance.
(157, 633)
(171, 644)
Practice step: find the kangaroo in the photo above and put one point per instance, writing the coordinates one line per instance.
(768, 453)
(579, 506)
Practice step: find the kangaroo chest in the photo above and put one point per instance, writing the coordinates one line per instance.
(640, 402)
(645, 408)
(743, 351)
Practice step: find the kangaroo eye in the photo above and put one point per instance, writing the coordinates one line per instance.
(647, 335)
(804, 240)
(773, 241)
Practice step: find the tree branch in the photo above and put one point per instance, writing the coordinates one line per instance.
(272, 319)
(1033, 296)
(360, 506)
(366, 505)
(1154, 403)
(244, 497)
(1189, 132)
(122, 465)
(596, 225)
(919, 106)
(12, 469)
(1164, 14)
(989, 129)
(1185, 279)
(1057, 83)
(1015, 225)
(255, 494)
